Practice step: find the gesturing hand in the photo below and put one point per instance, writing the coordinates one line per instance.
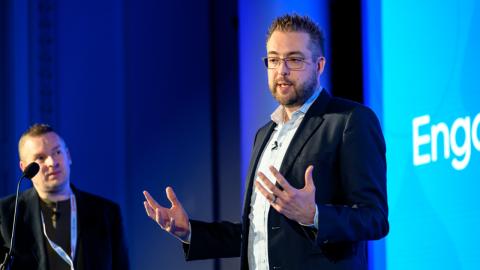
(295, 204)
(173, 220)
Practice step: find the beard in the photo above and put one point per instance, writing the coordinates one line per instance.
(300, 94)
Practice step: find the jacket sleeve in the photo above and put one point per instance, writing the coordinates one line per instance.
(3, 244)
(213, 240)
(5, 228)
(119, 247)
(362, 167)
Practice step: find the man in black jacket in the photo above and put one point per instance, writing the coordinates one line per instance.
(316, 184)
(59, 226)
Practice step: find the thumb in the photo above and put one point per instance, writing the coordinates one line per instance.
(309, 178)
(172, 197)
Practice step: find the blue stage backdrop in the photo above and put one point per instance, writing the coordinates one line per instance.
(423, 62)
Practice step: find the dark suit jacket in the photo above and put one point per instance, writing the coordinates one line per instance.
(100, 244)
(344, 142)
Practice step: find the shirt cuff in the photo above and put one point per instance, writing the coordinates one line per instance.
(315, 220)
(189, 238)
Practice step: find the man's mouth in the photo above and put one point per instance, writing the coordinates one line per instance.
(283, 87)
(53, 174)
(283, 82)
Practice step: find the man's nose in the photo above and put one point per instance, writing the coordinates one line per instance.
(50, 161)
(283, 69)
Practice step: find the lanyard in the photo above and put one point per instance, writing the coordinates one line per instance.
(73, 235)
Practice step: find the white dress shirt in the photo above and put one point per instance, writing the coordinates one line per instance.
(272, 155)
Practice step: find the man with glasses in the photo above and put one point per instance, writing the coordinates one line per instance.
(316, 186)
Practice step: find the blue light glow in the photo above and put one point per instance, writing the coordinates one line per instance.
(430, 52)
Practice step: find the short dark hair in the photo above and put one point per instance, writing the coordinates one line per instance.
(297, 23)
(35, 130)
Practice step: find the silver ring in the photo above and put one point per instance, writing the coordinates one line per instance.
(274, 199)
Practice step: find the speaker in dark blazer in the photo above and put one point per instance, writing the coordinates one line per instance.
(293, 217)
(344, 142)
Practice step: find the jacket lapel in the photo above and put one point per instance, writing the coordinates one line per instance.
(312, 121)
(80, 260)
(260, 142)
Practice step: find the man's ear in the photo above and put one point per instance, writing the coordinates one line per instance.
(22, 165)
(69, 156)
(321, 61)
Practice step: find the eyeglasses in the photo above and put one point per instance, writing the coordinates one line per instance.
(293, 63)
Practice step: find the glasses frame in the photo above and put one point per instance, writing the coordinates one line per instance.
(284, 60)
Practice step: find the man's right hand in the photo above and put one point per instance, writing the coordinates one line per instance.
(173, 220)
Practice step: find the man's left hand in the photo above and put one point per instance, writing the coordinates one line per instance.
(295, 204)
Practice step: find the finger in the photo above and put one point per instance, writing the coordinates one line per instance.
(160, 218)
(277, 207)
(150, 211)
(309, 178)
(269, 185)
(277, 204)
(151, 201)
(269, 196)
(281, 180)
(171, 226)
(171, 196)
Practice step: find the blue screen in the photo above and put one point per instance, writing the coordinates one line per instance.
(428, 54)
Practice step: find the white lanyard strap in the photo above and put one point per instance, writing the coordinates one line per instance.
(73, 235)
